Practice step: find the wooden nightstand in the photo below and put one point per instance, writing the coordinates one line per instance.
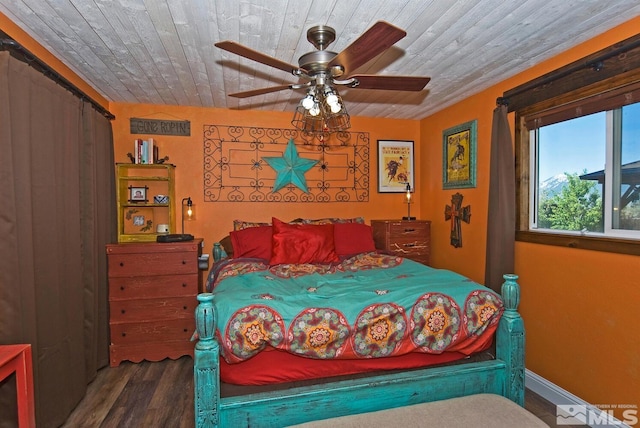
(152, 299)
(406, 238)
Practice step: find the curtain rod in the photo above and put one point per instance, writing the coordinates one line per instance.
(22, 54)
(596, 64)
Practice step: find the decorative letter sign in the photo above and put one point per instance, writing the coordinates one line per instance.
(180, 128)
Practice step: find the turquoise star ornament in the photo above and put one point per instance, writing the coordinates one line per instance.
(290, 168)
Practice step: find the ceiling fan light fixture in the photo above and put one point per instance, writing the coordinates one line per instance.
(321, 111)
(335, 108)
(308, 101)
(338, 122)
(306, 122)
(333, 99)
(315, 110)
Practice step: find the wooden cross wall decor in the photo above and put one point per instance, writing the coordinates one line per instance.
(456, 213)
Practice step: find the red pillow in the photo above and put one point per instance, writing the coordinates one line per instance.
(353, 238)
(302, 243)
(252, 242)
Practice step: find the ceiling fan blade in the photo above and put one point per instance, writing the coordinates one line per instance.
(393, 83)
(246, 52)
(262, 91)
(377, 39)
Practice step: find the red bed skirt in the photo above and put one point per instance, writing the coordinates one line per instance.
(275, 366)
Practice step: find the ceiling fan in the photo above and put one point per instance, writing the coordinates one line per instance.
(321, 66)
(321, 69)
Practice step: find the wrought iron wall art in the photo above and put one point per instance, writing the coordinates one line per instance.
(235, 169)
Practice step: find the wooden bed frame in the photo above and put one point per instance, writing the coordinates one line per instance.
(504, 376)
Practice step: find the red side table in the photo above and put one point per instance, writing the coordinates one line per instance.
(17, 359)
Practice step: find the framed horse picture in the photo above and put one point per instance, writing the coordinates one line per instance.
(395, 166)
(459, 156)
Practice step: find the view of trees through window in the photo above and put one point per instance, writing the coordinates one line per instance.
(577, 206)
(571, 158)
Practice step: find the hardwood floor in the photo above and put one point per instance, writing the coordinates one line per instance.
(160, 395)
(139, 395)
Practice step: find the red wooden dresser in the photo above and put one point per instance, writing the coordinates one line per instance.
(152, 299)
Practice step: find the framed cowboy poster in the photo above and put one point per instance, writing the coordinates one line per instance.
(459, 156)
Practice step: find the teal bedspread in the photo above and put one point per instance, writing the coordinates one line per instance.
(372, 305)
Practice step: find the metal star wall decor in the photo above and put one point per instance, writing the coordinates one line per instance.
(290, 168)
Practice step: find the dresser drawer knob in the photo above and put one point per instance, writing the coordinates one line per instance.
(184, 307)
(124, 334)
(184, 285)
(184, 262)
(122, 288)
(409, 230)
(411, 244)
(121, 263)
(122, 311)
(185, 330)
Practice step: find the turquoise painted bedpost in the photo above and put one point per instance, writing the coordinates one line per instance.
(206, 379)
(510, 340)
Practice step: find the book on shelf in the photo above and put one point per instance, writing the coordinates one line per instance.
(146, 152)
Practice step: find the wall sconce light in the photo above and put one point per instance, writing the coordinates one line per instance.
(408, 200)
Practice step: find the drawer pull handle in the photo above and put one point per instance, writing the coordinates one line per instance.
(411, 244)
(409, 230)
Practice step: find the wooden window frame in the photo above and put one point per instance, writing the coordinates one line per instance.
(597, 80)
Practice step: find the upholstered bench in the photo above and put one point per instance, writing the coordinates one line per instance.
(481, 410)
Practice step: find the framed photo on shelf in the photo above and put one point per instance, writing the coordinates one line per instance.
(459, 156)
(138, 194)
(138, 220)
(395, 166)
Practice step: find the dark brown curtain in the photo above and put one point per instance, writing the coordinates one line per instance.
(501, 225)
(57, 212)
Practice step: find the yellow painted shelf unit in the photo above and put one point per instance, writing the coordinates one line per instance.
(146, 199)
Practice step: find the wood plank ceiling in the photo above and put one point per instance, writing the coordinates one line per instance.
(162, 51)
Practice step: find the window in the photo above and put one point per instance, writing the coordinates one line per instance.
(577, 148)
(625, 210)
(573, 190)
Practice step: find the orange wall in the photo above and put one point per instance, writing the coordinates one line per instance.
(214, 219)
(580, 307)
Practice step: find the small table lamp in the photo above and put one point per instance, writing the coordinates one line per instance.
(188, 212)
(408, 198)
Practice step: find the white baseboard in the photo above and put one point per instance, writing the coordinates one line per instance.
(558, 396)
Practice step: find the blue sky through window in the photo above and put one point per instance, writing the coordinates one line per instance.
(575, 145)
(572, 146)
(631, 133)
